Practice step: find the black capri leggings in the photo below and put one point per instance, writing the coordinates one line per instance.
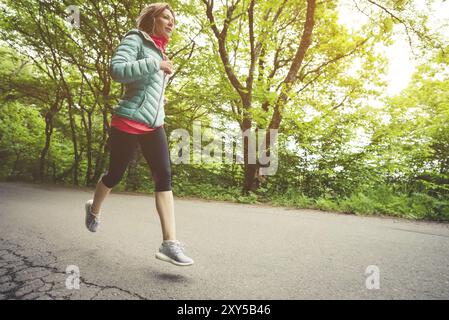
(154, 148)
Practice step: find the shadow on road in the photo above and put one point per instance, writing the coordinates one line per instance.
(178, 278)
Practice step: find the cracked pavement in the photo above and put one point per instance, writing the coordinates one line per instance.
(33, 275)
(240, 251)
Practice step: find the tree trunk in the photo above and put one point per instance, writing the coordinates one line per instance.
(250, 169)
(75, 147)
(88, 128)
(48, 133)
(54, 108)
(251, 181)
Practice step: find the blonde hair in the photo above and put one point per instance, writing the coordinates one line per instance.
(145, 21)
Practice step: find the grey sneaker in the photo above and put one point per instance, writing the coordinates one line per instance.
(92, 221)
(173, 252)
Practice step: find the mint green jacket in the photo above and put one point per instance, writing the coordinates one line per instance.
(135, 63)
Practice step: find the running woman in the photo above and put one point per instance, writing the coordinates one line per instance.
(140, 63)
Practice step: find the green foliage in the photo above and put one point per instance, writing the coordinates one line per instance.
(384, 201)
(292, 198)
(213, 192)
(380, 200)
(326, 204)
(21, 137)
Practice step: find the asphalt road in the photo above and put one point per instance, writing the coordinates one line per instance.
(240, 251)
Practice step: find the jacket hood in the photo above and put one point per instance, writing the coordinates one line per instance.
(145, 36)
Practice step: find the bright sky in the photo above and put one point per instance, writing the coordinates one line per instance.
(402, 63)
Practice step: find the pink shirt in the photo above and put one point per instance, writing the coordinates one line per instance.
(131, 126)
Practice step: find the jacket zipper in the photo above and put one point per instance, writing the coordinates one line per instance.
(159, 103)
(163, 81)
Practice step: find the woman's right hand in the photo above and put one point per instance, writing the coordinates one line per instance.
(167, 66)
